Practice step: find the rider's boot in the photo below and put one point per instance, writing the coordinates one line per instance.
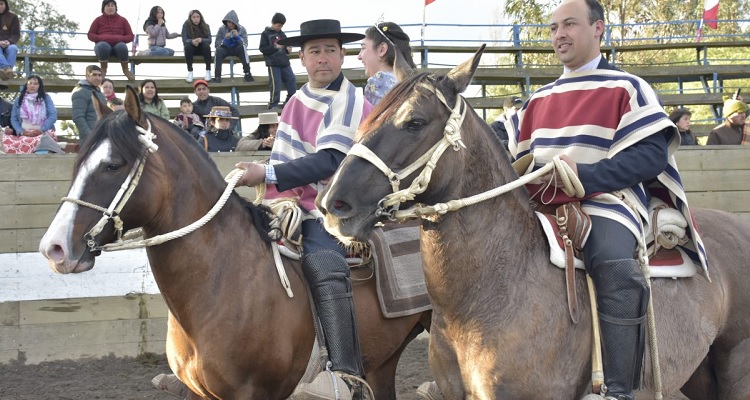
(622, 295)
(328, 275)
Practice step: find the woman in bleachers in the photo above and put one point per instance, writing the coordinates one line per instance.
(158, 33)
(33, 116)
(149, 98)
(111, 31)
(196, 36)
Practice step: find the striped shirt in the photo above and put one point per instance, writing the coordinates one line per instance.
(313, 120)
(593, 115)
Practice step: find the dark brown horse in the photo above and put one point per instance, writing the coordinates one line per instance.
(500, 325)
(233, 332)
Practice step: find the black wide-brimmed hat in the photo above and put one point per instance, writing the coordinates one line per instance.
(321, 29)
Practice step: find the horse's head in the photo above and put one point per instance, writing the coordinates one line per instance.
(395, 164)
(112, 191)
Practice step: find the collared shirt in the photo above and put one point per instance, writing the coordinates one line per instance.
(585, 67)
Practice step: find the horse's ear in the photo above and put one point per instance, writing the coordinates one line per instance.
(462, 74)
(100, 107)
(400, 66)
(133, 107)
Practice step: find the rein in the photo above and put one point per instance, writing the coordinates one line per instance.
(388, 206)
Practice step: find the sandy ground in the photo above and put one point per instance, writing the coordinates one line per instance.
(129, 378)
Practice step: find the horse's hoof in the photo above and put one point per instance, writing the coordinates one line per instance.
(170, 384)
(430, 391)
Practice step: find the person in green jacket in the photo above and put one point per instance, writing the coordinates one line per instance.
(148, 95)
(84, 114)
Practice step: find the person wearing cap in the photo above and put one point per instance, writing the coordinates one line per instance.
(511, 105)
(111, 31)
(610, 129)
(731, 130)
(277, 60)
(378, 55)
(316, 130)
(231, 40)
(206, 102)
(219, 137)
(263, 137)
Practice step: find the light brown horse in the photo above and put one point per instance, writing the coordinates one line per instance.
(500, 325)
(233, 332)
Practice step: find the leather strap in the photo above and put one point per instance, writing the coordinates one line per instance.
(573, 227)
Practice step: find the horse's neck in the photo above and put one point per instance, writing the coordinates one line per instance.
(494, 242)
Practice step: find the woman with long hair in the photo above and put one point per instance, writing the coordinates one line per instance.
(156, 28)
(148, 95)
(379, 55)
(196, 36)
(33, 116)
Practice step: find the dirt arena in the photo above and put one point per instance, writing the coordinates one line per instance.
(128, 378)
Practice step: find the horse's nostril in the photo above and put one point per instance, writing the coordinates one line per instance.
(55, 253)
(341, 206)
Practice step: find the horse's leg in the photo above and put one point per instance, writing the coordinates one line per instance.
(702, 384)
(732, 371)
(443, 365)
(384, 378)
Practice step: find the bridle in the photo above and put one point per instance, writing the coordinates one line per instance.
(112, 213)
(388, 206)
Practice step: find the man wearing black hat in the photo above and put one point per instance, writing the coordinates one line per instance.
(511, 105)
(316, 131)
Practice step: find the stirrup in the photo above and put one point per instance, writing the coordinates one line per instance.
(327, 385)
(430, 391)
(170, 384)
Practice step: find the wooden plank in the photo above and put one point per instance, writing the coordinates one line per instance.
(26, 216)
(20, 240)
(717, 158)
(734, 201)
(91, 309)
(8, 193)
(40, 192)
(713, 180)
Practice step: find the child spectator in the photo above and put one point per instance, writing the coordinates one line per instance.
(110, 31)
(196, 37)
(188, 120)
(148, 95)
(220, 137)
(277, 61)
(158, 33)
(231, 40)
(681, 118)
(9, 35)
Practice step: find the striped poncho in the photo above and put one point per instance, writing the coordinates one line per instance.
(593, 115)
(313, 120)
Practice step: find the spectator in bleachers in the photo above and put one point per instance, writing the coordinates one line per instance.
(33, 116)
(9, 35)
(110, 31)
(231, 40)
(264, 136)
(158, 33)
(511, 105)
(220, 137)
(196, 36)
(681, 118)
(206, 102)
(84, 114)
(108, 90)
(277, 61)
(148, 95)
(378, 57)
(731, 130)
(188, 120)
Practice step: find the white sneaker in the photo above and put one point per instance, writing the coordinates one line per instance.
(208, 76)
(189, 77)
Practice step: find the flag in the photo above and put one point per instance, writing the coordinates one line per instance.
(710, 13)
(135, 44)
(427, 2)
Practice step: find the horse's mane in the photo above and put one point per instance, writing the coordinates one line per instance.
(119, 128)
(398, 95)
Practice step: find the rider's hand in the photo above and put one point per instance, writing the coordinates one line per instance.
(556, 180)
(255, 174)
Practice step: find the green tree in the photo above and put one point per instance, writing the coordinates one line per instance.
(53, 30)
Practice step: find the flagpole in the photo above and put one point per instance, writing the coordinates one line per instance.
(424, 12)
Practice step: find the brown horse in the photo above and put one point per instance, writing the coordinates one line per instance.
(500, 327)
(233, 332)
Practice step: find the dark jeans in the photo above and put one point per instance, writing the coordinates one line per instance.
(104, 51)
(224, 52)
(204, 49)
(608, 241)
(277, 76)
(315, 238)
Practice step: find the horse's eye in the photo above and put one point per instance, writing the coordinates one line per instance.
(416, 125)
(113, 167)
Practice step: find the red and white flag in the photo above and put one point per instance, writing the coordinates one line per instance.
(427, 2)
(710, 13)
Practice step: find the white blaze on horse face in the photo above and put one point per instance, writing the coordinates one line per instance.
(61, 228)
